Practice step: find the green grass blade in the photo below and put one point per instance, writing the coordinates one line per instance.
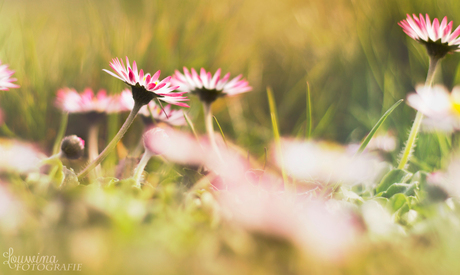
(61, 133)
(276, 135)
(221, 132)
(309, 118)
(190, 124)
(377, 126)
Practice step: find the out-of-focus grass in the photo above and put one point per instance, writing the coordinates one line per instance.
(354, 55)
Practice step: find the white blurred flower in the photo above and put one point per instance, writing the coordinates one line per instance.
(18, 157)
(307, 223)
(11, 212)
(325, 162)
(441, 108)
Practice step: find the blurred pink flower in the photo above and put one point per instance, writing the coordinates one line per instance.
(6, 82)
(441, 108)
(325, 162)
(307, 223)
(18, 157)
(153, 137)
(209, 87)
(146, 87)
(69, 100)
(175, 117)
(437, 37)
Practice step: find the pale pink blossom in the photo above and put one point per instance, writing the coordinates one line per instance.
(150, 86)
(328, 235)
(441, 108)
(69, 100)
(174, 117)
(209, 87)
(325, 162)
(17, 156)
(152, 138)
(6, 81)
(437, 37)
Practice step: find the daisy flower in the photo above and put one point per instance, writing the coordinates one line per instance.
(18, 156)
(325, 162)
(69, 100)
(209, 87)
(438, 38)
(171, 116)
(6, 82)
(441, 108)
(144, 86)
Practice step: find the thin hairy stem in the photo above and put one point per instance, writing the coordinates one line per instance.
(410, 143)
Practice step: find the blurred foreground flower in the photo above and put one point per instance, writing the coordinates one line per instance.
(146, 87)
(16, 156)
(307, 223)
(152, 110)
(326, 162)
(441, 108)
(438, 38)
(6, 82)
(12, 212)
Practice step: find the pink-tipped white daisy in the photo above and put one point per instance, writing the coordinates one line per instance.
(69, 100)
(146, 87)
(171, 116)
(438, 38)
(326, 162)
(6, 81)
(207, 86)
(441, 108)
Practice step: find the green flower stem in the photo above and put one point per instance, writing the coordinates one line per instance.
(140, 168)
(410, 144)
(113, 143)
(93, 150)
(210, 128)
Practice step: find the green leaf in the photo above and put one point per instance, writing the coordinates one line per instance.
(377, 126)
(392, 177)
(276, 134)
(397, 201)
(395, 189)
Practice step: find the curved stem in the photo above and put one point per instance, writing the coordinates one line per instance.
(140, 168)
(410, 143)
(210, 127)
(113, 143)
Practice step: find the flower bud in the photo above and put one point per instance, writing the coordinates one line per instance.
(72, 147)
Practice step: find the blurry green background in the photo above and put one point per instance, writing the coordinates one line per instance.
(356, 58)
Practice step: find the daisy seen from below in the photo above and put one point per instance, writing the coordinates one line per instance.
(6, 81)
(441, 108)
(208, 88)
(152, 110)
(69, 100)
(144, 88)
(438, 38)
